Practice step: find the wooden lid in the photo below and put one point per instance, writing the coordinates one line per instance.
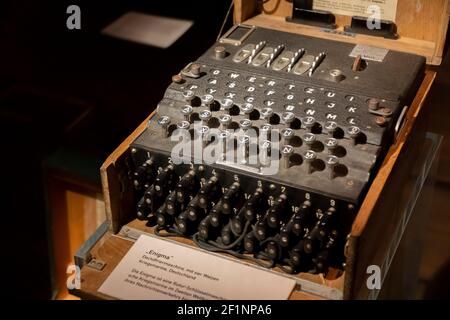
(421, 25)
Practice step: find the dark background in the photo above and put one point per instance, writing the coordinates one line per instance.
(74, 89)
(82, 91)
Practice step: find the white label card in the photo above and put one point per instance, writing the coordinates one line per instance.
(148, 29)
(158, 269)
(369, 52)
(362, 8)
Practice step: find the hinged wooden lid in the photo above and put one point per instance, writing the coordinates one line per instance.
(421, 25)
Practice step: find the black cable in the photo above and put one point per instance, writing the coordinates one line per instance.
(233, 244)
(287, 269)
(171, 232)
(274, 239)
(209, 247)
(213, 246)
(260, 256)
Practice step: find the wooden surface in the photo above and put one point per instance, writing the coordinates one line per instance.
(403, 278)
(375, 227)
(422, 25)
(435, 268)
(244, 12)
(76, 210)
(111, 250)
(334, 279)
(373, 196)
(117, 188)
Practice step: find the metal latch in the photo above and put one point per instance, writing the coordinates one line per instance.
(96, 264)
(237, 34)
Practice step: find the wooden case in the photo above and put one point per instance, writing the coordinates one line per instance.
(385, 211)
(421, 25)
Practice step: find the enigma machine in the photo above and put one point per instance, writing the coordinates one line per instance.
(264, 147)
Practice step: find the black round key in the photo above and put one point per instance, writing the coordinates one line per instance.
(224, 138)
(331, 162)
(183, 125)
(225, 120)
(203, 130)
(264, 152)
(245, 124)
(188, 95)
(287, 117)
(331, 144)
(267, 113)
(309, 157)
(164, 122)
(309, 138)
(286, 153)
(309, 122)
(205, 115)
(287, 134)
(243, 142)
(226, 104)
(354, 133)
(330, 127)
(207, 100)
(247, 108)
(202, 133)
(265, 131)
(186, 111)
